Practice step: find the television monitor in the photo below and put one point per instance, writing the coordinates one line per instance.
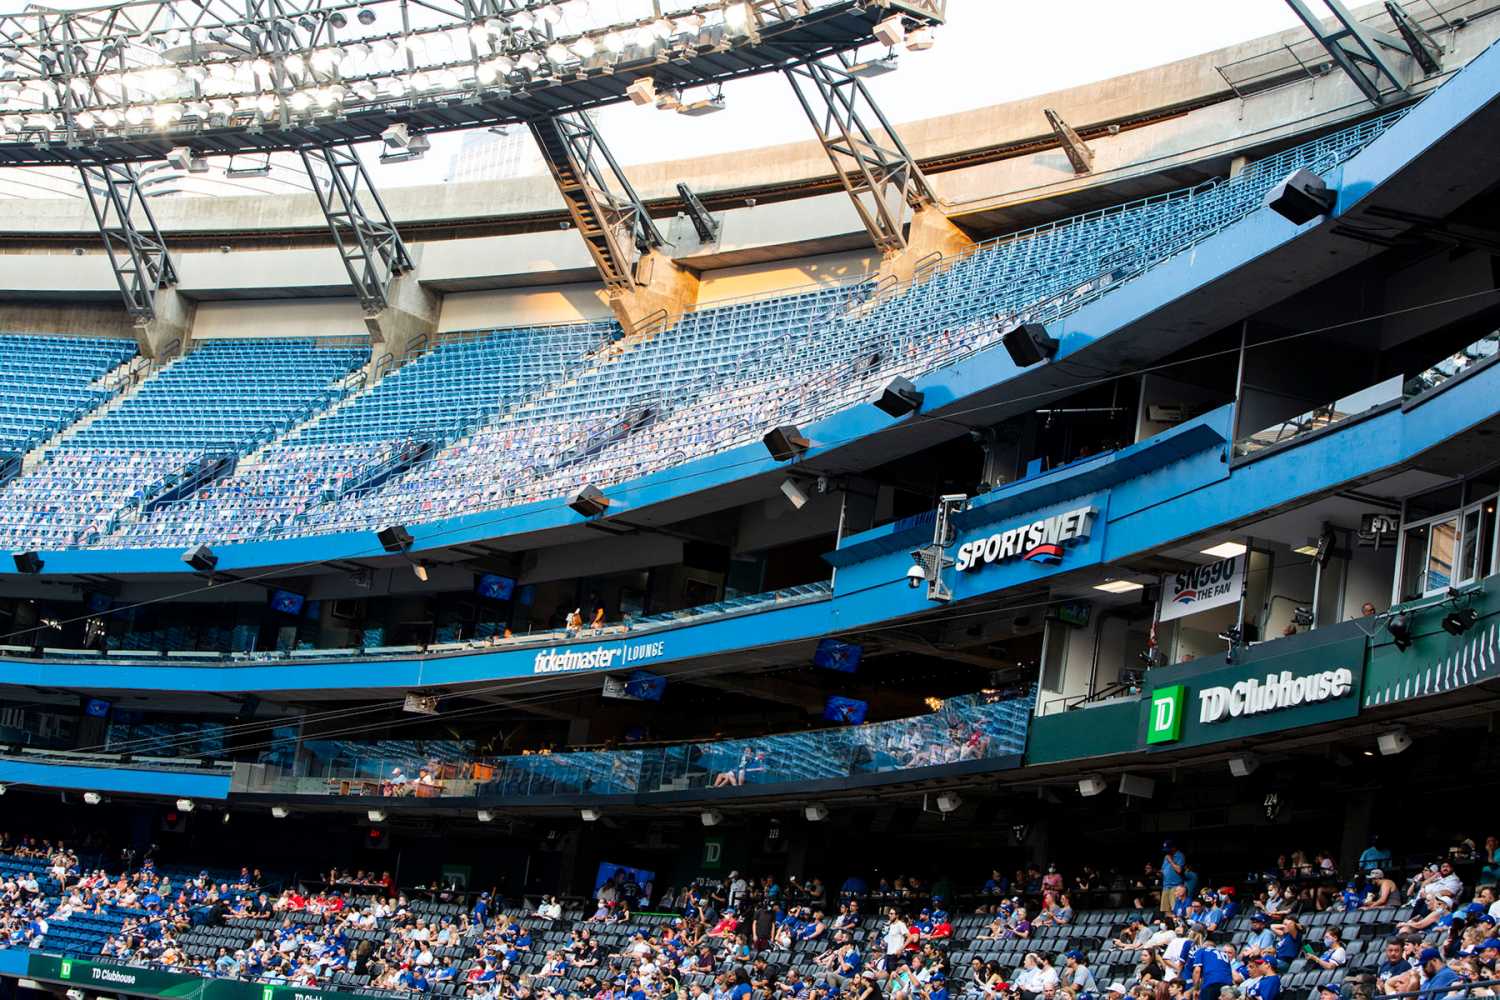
(494, 587)
(1075, 613)
(97, 602)
(833, 654)
(96, 708)
(287, 602)
(645, 686)
(628, 875)
(846, 711)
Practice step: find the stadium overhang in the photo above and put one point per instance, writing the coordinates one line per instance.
(65, 59)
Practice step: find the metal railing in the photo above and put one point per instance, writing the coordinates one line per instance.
(985, 726)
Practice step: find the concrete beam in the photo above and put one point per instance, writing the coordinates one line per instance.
(779, 692)
(666, 291)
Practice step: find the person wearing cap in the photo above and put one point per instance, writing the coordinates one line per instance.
(1380, 890)
(1264, 982)
(1438, 979)
(1173, 869)
(1076, 976)
(1115, 990)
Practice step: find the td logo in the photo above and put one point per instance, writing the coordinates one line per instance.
(65, 970)
(1165, 722)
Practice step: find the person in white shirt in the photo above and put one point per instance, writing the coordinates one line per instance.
(737, 889)
(897, 934)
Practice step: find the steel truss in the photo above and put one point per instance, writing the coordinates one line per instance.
(608, 213)
(367, 240)
(137, 254)
(882, 178)
(1359, 50)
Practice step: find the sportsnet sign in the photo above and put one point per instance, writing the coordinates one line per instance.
(1041, 541)
(1202, 587)
(613, 656)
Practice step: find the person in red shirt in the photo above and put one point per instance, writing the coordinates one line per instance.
(726, 926)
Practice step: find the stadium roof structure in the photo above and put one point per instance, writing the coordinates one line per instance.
(134, 81)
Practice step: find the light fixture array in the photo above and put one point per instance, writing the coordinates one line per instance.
(94, 73)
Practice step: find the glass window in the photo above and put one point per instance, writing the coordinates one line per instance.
(1468, 553)
(1442, 549)
(1413, 563)
(1487, 537)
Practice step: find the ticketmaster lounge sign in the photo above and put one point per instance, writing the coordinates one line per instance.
(104, 977)
(1316, 681)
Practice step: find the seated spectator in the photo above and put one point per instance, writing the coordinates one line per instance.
(1334, 955)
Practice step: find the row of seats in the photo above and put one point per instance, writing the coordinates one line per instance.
(527, 414)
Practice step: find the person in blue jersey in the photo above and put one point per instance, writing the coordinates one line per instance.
(1211, 971)
(1440, 982)
(1265, 982)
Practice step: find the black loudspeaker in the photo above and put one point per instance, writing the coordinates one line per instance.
(201, 558)
(899, 397)
(27, 562)
(1302, 197)
(785, 442)
(394, 538)
(1029, 344)
(590, 501)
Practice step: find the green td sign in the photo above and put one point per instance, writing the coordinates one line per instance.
(1165, 722)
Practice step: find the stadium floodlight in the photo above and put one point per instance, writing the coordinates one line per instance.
(899, 397)
(397, 136)
(1393, 741)
(1091, 784)
(280, 812)
(394, 538)
(186, 805)
(891, 32)
(1243, 765)
(184, 158)
(794, 493)
(484, 816)
(948, 802)
(27, 562)
(415, 149)
(785, 442)
(3, 789)
(201, 558)
(711, 817)
(642, 92)
(1301, 197)
(590, 815)
(589, 501)
(1030, 344)
(700, 108)
(376, 815)
(92, 798)
(1399, 626)
(871, 68)
(1460, 621)
(419, 570)
(920, 40)
(815, 812)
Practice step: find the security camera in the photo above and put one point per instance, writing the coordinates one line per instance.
(915, 577)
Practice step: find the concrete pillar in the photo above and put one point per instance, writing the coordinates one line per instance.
(668, 287)
(412, 311)
(930, 232)
(169, 332)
